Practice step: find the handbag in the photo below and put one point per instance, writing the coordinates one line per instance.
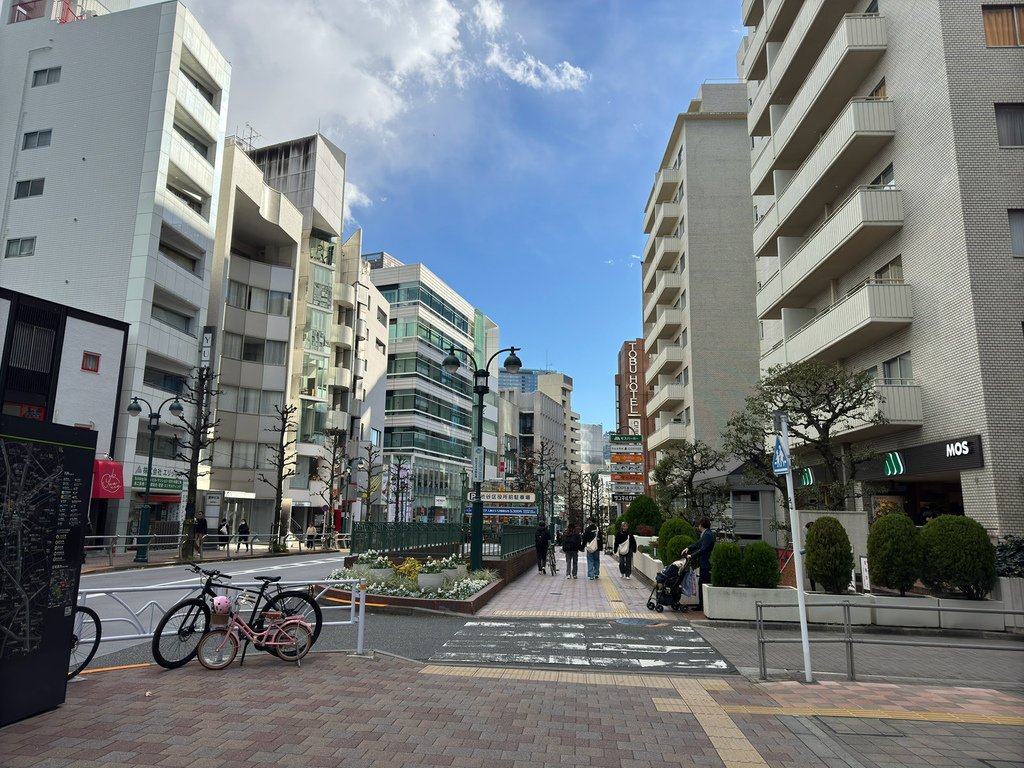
(593, 544)
(624, 548)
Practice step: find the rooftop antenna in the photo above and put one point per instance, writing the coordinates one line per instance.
(250, 136)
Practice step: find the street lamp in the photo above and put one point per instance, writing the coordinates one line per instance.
(451, 364)
(345, 503)
(134, 409)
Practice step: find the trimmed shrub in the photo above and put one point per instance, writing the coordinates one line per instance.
(726, 564)
(675, 545)
(760, 565)
(894, 552)
(829, 555)
(957, 555)
(1010, 557)
(643, 511)
(675, 526)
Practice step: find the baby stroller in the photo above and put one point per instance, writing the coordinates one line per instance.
(670, 585)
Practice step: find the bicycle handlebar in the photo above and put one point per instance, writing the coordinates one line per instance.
(212, 574)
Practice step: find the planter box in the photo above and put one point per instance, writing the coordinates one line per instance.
(992, 622)
(1011, 592)
(647, 565)
(454, 574)
(430, 580)
(470, 606)
(739, 604)
(376, 574)
(891, 616)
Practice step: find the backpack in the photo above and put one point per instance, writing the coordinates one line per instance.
(541, 536)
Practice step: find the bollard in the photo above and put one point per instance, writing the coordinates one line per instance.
(362, 615)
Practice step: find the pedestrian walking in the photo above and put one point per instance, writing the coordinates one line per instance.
(243, 537)
(625, 546)
(310, 536)
(593, 543)
(541, 542)
(701, 552)
(572, 543)
(201, 529)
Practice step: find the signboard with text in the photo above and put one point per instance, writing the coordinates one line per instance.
(619, 439)
(505, 496)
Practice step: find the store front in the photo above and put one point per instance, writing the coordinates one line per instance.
(165, 501)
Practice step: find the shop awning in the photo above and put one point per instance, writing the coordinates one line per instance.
(107, 480)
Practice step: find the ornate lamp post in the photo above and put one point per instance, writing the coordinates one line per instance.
(345, 503)
(451, 364)
(134, 409)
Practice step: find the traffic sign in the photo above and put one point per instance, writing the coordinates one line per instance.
(780, 460)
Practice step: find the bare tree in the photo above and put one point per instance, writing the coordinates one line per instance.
(398, 484)
(194, 442)
(331, 472)
(677, 479)
(284, 463)
(370, 486)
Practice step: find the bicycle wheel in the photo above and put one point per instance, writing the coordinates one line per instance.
(296, 639)
(85, 639)
(299, 605)
(553, 561)
(177, 636)
(217, 648)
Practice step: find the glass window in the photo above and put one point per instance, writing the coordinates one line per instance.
(46, 76)
(891, 272)
(253, 349)
(885, 179)
(686, 376)
(28, 188)
(1010, 124)
(20, 246)
(227, 400)
(258, 298)
(176, 320)
(1016, 218)
(222, 453)
(276, 352)
(243, 455)
(236, 294)
(898, 370)
(248, 400)
(1004, 25)
(232, 346)
(879, 91)
(268, 400)
(26, 10)
(36, 139)
(280, 303)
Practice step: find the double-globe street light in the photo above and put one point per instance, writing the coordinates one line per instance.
(134, 409)
(451, 364)
(346, 503)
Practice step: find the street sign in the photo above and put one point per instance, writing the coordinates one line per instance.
(624, 497)
(506, 496)
(627, 478)
(507, 511)
(780, 460)
(625, 438)
(478, 464)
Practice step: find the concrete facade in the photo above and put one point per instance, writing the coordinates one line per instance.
(885, 225)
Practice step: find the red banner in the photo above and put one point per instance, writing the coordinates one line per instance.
(107, 480)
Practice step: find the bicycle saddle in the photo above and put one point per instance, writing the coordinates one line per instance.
(269, 579)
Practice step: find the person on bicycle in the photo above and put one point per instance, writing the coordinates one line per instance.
(243, 537)
(542, 540)
(572, 543)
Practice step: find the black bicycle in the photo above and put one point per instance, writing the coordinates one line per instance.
(177, 636)
(85, 639)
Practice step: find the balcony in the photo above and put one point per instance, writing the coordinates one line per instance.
(664, 253)
(341, 377)
(769, 297)
(667, 436)
(755, 59)
(856, 46)
(186, 160)
(361, 332)
(666, 290)
(667, 326)
(669, 361)
(864, 127)
(199, 108)
(869, 217)
(344, 336)
(668, 397)
(900, 404)
(862, 318)
(344, 295)
(752, 12)
(666, 219)
(774, 356)
(810, 30)
(666, 184)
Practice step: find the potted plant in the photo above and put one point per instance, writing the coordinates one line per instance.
(431, 574)
(375, 564)
(454, 567)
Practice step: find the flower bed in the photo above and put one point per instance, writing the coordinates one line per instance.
(465, 595)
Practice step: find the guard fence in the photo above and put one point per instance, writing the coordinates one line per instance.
(400, 538)
(167, 547)
(847, 637)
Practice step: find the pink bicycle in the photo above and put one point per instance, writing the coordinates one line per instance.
(287, 638)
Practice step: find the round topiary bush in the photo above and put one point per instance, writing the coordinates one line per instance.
(726, 564)
(760, 565)
(894, 552)
(675, 526)
(957, 555)
(643, 511)
(829, 555)
(676, 545)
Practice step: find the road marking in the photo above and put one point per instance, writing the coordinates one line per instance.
(263, 569)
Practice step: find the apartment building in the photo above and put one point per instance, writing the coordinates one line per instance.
(700, 332)
(888, 170)
(110, 202)
(337, 339)
(428, 432)
(592, 445)
(558, 387)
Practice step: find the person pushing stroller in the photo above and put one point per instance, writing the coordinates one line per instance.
(671, 584)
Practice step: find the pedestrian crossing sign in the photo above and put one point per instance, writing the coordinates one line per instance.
(780, 460)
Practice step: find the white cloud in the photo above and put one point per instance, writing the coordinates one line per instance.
(608, 261)
(354, 198)
(634, 256)
(536, 74)
(490, 14)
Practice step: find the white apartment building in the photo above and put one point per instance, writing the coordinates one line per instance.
(428, 434)
(558, 387)
(112, 128)
(888, 165)
(700, 332)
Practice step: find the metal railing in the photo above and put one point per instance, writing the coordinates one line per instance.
(142, 621)
(399, 537)
(516, 539)
(168, 546)
(848, 639)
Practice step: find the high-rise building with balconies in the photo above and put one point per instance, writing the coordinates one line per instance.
(887, 172)
(700, 333)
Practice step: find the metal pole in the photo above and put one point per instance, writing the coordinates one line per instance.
(142, 545)
(476, 535)
(798, 556)
(360, 632)
(347, 508)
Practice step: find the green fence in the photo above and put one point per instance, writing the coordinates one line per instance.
(398, 538)
(516, 539)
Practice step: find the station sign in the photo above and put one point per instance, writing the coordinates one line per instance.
(508, 497)
(618, 439)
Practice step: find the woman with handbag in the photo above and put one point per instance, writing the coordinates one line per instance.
(625, 546)
(593, 544)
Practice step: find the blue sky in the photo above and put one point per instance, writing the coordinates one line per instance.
(509, 146)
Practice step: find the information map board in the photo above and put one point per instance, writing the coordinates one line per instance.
(44, 499)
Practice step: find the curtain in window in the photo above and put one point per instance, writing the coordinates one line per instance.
(999, 27)
(1010, 124)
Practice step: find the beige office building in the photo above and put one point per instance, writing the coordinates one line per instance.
(888, 174)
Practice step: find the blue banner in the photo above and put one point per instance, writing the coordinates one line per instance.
(507, 511)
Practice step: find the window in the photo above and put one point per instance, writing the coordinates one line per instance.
(686, 416)
(168, 382)
(276, 352)
(176, 320)
(872, 373)
(898, 370)
(382, 316)
(191, 199)
(32, 347)
(26, 10)
(269, 400)
(199, 146)
(381, 347)
(28, 188)
(872, 7)
(879, 91)
(232, 345)
(280, 303)
(681, 266)
(885, 179)
(891, 272)
(178, 257)
(258, 299)
(20, 246)
(1010, 124)
(36, 139)
(253, 349)
(686, 375)
(1004, 25)
(682, 300)
(683, 338)
(46, 76)
(236, 294)
(1017, 232)
(91, 362)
